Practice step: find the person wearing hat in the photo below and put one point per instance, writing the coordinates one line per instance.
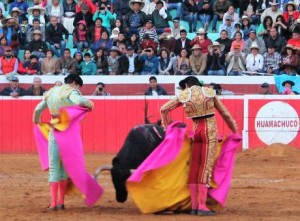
(254, 39)
(291, 13)
(247, 27)
(228, 26)
(290, 61)
(199, 104)
(8, 63)
(55, 99)
(21, 5)
(220, 7)
(166, 40)
(236, 61)
(113, 60)
(14, 90)
(85, 15)
(272, 60)
(132, 23)
(100, 90)
(254, 60)
(273, 11)
(37, 46)
(149, 30)
(176, 28)
(198, 60)
(265, 89)
(33, 67)
(15, 13)
(202, 40)
(182, 42)
(35, 26)
(88, 66)
(216, 59)
(190, 14)
(36, 12)
(148, 42)
(288, 85)
(160, 17)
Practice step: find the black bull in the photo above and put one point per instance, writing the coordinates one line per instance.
(139, 143)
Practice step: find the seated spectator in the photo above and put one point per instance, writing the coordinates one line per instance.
(35, 26)
(216, 59)
(54, 9)
(69, 15)
(224, 40)
(104, 42)
(264, 28)
(250, 8)
(23, 28)
(105, 15)
(254, 60)
(205, 9)
(273, 11)
(21, 5)
(15, 13)
(165, 66)
(150, 6)
(201, 40)
(30, 68)
(80, 36)
(236, 61)
(101, 62)
(295, 41)
(113, 60)
(135, 19)
(182, 64)
(160, 17)
(134, 64)
(288, 88)
(9, 29)
(2, 17)
(8, 63)
(198, 61)
(48, 64)
(3, 44)
(79, 59)
(26, 58)
(121, 40)
(14, 90)
(119, 24)
(134, 42)
(148, 42)
(88, 67)
(66, 64)
(182, 42)
(247, 27)
(190, 14)
(237, 28)
(149, 30)
(85, 15)
(15, 45)
(155, 89)
(37, 47)
(265, 89)
(36, 12)
(95, 33)
(219, 90)
(227, 26)
(220, 7)
(275, 39)
(282, 28)
(150, 66)
(238, 40)
(36, 89)
(290, 61)
(114, 34)
(291, 14)
(100, 90)
(257, 40)
(166, 40)
(175, 4)
(54, 36)
(234, 17)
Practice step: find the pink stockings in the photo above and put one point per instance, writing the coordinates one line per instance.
(56, 187)
(198, 196)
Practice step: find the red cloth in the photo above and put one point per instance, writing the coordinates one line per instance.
(203, 45)
(286, 16)
(7, 65)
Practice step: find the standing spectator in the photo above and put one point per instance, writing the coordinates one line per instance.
(37, 46)
(247, 27)
(148, 29)
(150, 66)
(85, 15)
(257, 40)
(198, 61)
(95, 33)
(273, 11)
(113, 60)
(8, 63)
(227, 26)
(104, 42)
(69, 15)
(254, 60)
(155, 89)
(100, 90)
(55, 9)
(36, 89)
(264, 28)
(101, 62)
(21, 5)
(238, 41)
(80, 36)
(14, 90)
(182, 42)
(190, 14)
(166, 40)
(165, 66)
(160, 17)
(202, 40)
(236, 61)
(88, 67)
(48, 64)
(66, 64)
(182, 65)
(216, 59)
(265, 89)
(105, 15)
(36, 12)
(135, 19)
(234, 17)
(272, 60)
(276, 40)
(36, 26)
(290, 61)
(205, 9)
(54, 36)
(220, 7)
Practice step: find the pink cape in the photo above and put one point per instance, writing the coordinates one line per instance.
(71, 153)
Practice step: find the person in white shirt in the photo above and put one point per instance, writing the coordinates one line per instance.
(273, 11)
(254, 60)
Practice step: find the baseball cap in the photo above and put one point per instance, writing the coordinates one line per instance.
(14, 78)
(265, 85)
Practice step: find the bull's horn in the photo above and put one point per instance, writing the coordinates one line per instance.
(102, 168)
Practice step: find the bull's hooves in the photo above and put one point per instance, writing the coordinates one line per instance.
(205, 213)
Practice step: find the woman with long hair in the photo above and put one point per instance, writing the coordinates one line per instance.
(165, 66)
(238, 40)
(264, 28)
(182, 64)
(101, 62)
(133, 41)
(282, 27)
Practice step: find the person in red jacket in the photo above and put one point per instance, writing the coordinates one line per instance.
(148, 42)
(8, 63)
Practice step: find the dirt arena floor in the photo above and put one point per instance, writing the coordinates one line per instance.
(265, 186)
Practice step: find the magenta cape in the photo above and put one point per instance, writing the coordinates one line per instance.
(71, 152)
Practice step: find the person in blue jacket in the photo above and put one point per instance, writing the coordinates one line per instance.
(150, 62)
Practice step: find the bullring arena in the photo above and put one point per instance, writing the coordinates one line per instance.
(266, 177)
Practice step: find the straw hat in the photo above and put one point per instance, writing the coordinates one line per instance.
(115, 48)
(215, 44)
(15, 9)
(37, 32)
(196, 46)
(36, 7)
(131, 2)
(4, 21)
(274, 2)
(254, 46)
(290, 46)
(290, 3)
(246, 17)
(201, 31)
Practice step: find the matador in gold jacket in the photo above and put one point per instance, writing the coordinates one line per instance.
(199, 104)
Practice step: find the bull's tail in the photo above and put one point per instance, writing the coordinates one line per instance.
(102, 168)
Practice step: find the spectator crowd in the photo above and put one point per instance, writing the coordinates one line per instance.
(140, 37)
